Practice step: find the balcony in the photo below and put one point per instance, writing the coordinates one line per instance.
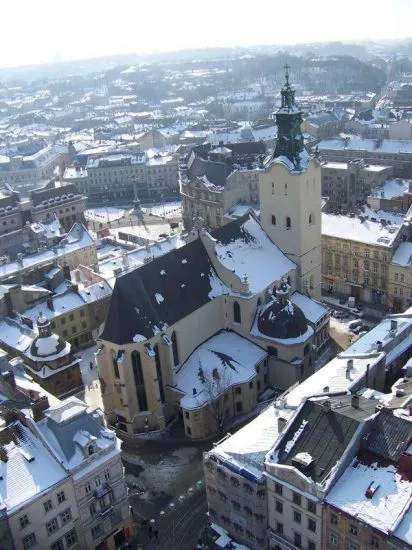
(278, 542)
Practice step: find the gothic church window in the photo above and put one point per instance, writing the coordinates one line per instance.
(288, 223)
(237, 318)
(273, 220)
(175, 349)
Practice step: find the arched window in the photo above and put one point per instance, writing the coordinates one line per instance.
(139, 381)
(288, 223)
(159, 373)
(175, 349)
(237, 317)
(311, 218)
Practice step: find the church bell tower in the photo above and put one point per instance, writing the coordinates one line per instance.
(290, 196)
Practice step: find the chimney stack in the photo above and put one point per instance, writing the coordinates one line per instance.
(8, 376)
(39, 407)
(355, 401)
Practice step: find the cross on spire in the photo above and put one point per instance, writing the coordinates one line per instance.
(287, 67)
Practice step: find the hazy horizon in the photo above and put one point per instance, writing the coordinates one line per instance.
(34, 34)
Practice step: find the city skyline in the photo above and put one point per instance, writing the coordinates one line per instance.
(88, 31)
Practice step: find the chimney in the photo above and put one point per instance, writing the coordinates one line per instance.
(66, 272)
(3, 454)
(8, 377)
(326, 406)
(281, 424)
(39, 407)
(355, 401)
(378, 345)
(50, 304)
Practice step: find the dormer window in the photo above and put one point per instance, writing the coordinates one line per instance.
(90, 450)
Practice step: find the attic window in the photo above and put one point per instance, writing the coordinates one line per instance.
(90, 450)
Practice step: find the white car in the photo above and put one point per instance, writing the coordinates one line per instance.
(356, 311)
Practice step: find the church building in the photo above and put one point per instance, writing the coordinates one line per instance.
(202, 332)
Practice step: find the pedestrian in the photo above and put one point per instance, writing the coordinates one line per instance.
(150, 531)
(91, 365)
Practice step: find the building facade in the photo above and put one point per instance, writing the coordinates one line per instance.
(347, 185)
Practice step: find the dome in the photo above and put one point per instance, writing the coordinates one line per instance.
(282, 320)
(44, 347)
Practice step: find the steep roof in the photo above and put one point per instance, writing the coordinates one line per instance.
(161, 293)
(323, 434)
(389, 436)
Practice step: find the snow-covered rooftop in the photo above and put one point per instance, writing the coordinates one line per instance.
(334, 377)
(248, 447)
(254, 254)
(369, 232)
(23, 479)
(392, 496)
(389, 146)
(392, 188)
(313, 310)
(403, 255)
(228, 355)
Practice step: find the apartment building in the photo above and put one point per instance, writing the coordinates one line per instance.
(347, 184)
(385, 152)
(217, 179)
(25, 172)
(75, 248)
(37, 493)
(356, 256)
(53, 208)
(400, 278)
(126, 176)
(90, 454)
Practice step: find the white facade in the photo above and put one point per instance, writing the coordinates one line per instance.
(291, 216)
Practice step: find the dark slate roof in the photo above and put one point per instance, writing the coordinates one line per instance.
(46, 193)
(389, 436)
(325, 435)
(216, 172)
(233, 231)
(181, 278)
(282, 321)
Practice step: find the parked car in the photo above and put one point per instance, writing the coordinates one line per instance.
(355, 324)
(356, 311)
(339, 314)
(358, 330)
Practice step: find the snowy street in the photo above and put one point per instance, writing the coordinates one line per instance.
(91, 393)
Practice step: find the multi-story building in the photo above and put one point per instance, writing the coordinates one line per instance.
(400, 278)
(347, 184)
(367, 506)
(277, 474)
(323, 125)
(25, 172)
(356, 255)
(47, 205)
(386, 152)
(215, 180)
(37, 492)
(63, 202)
(90, 454)
(395, 195)
(125, 176)
(75, 248)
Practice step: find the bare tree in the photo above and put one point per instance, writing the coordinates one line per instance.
(216, 382)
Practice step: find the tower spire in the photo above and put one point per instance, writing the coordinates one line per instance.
(288, 119)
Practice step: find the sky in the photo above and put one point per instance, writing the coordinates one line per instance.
(45, 30)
